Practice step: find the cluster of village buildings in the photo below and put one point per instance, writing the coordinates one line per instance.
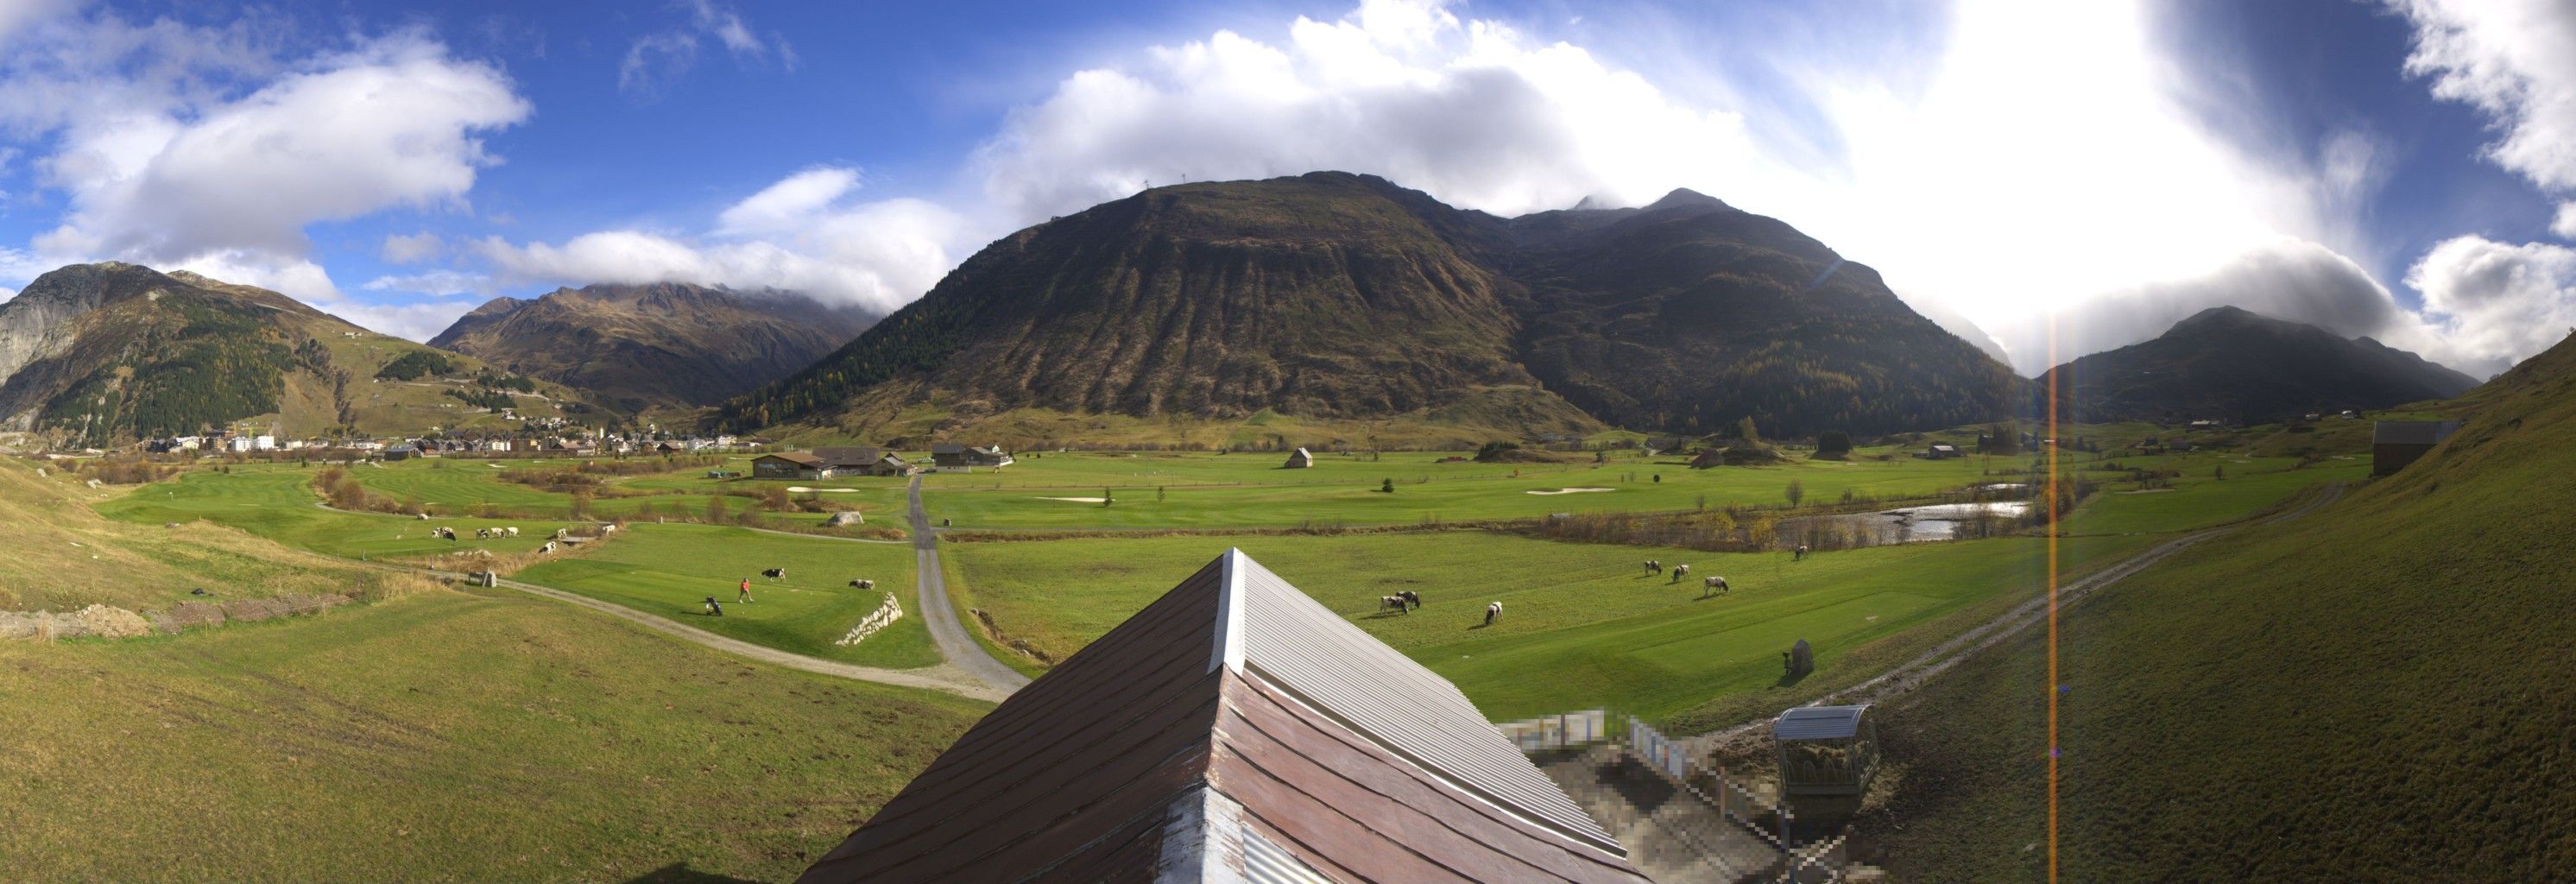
(552, 437)
(828, 462)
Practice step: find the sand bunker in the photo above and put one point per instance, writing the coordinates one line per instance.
(800, 489)
(1569, 491)
(1079, 499)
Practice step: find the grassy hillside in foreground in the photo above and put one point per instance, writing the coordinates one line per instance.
(443, 737)
(2375, 692)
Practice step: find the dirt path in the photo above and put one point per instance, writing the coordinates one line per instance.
(958, 648)
(1914, 673)
(943, 677)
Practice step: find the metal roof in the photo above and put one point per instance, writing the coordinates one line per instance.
(1818, 723)
(2412, 432)
(1233, 730)
(1333, 665)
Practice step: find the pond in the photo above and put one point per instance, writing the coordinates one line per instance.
(1913, 524)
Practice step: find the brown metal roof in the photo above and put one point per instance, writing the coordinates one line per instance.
(1232, 730)
(795, 457)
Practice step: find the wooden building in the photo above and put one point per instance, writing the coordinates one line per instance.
(867, 460)
(2394, 444)
(958, 457)
(787, 465)
(1233, 730)
(1300, 459)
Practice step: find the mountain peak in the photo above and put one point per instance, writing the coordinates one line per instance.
(1686, 198)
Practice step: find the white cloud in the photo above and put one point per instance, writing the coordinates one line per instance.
(799, 234)
(2565, 225)
(391, 123)
(306, 281)
(2513, 59)
(1471, 111)
(2497, 301)
(436, 283)
(412, 248)
(662, 57)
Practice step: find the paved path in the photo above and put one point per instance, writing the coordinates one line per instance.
(958, 648)
(1914, 673)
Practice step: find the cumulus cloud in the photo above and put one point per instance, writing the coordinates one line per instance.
(803, 233)
(2498, 302)
(2513, 59)
(2287, 278)
(412, 248)
(391, 123)
(2565, 224)
(1474, 112)
(657, 59)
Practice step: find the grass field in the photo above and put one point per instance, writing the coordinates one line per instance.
(278, 503)
(63, 555)
(1239, 490)
(2198, 499)
(2374, 692)
(443, 737)
(1583, 626)
(669, 569)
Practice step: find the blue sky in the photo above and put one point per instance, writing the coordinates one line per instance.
(2075, 175)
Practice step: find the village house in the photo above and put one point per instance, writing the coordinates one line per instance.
(958, 457)
(1939, 451)
(860, 461)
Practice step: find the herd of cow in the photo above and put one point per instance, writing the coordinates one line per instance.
(780, 573)
(1709, 586)
(1407, 601)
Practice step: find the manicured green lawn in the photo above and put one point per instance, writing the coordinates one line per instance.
(1583, 626)
(444, 737)
(670, 569)
(1175, 490)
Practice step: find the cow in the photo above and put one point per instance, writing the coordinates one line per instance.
(1713, 585)
(482, 533)
(1493, 612)
(512, 531)
(1654, 567)
(1392, 601)
(1801, 554)
(547, 549)
(863, 584)
(774, 573)
(1679, 572)
(1411, 598)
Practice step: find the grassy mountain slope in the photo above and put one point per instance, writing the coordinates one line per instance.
(1338, 297)
(1689, 314)
(668, 345)
(63, 556)
(110, 352)
(2373, 692)
(2231, 364)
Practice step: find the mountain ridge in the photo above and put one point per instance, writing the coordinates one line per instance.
(655, 345)
(2233, 364)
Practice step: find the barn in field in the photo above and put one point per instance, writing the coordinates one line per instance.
(2394, 444)
(1300, 459)
(787, 465)
(864, 460)
(958, 457)
(1234, 730)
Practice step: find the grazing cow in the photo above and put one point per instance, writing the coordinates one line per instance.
(1411, 598)
(423, 517)
(512, 531)
(547, 549)
(1713, 585)
(482, 533)
(1493, 612)
(774, 573)
(1679, 572)
(1392, 601)
(863, 584)
(1654, 567)
(1802, 554)
(607, 529)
